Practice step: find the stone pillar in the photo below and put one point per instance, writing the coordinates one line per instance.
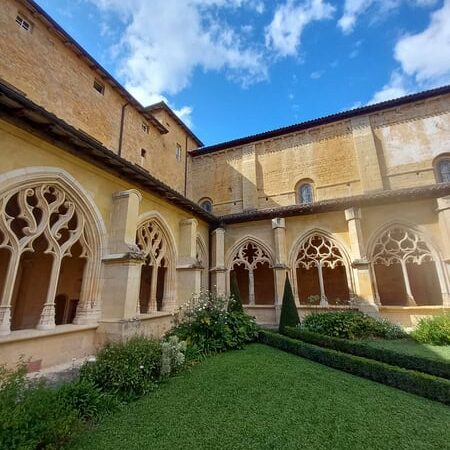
(188, 269)
(443, 211)
(249, 189)
(364, 288)
(218, 269)
(366, 154)
(280, 266)
(122, 268)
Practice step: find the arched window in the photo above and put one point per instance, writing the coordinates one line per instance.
(405, 269)
(206, 204)
(305, 193)
(443, 168)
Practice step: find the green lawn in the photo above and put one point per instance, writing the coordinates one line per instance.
(262, 398)
(410, 347)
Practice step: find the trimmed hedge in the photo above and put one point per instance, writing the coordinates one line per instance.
(420, 364)
(417, 383)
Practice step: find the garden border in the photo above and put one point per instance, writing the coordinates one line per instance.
(418, 383)
(412, 362)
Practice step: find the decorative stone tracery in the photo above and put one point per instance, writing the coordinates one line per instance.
(319, 251)
(47, 216)
(152, 242)
(399, 245)
(250, 255)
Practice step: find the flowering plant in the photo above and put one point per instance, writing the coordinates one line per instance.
(206, 324)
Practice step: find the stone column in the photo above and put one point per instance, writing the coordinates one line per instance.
(443, 211)
(364, 288)
(218, 269)
(366, 154)
(188, 269)
(122, 267)
(280, 266)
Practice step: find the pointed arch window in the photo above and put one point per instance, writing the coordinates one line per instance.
(305, 193)
(443, 168)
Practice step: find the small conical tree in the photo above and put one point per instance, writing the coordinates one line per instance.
(289, 314)
(236, 305)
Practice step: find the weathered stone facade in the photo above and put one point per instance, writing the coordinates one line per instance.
(102, 236)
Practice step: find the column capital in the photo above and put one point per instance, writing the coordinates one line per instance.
(219, 230)
(443, 203)
(127, 193)
(278, 222)
(353, 213)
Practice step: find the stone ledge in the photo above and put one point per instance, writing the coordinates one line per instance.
(24, 335)
(415, 308)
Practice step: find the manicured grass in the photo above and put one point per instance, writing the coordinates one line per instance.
(262, 398)
(410, 347)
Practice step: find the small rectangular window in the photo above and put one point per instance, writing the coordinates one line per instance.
(143, 152)
(145, 127)
(178, 152)
(99, 87)
(23, 23)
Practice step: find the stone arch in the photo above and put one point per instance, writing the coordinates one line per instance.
(406, 266)
(252, 261)
(322, 265)
(202, 258)
(158, 276)
(46, 205)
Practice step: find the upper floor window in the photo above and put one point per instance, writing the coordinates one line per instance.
(443, 168)
(305, 193)
(99, 87)
(23, 23)
(178, 152)
(206, 204)
(145, 127)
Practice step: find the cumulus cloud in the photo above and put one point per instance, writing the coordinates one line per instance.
(424, 58)
(355, 8)
(283, 35)
(164, 41)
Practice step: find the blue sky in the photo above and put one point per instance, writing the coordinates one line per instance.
(231, 68)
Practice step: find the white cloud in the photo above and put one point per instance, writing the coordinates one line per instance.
(164, 41)
(394, 89)
(426, 55)
(355, 8)
(283, 35)
(317, 74)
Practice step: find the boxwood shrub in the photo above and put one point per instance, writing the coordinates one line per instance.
(421, 364)
(415, 382)
(351, 325)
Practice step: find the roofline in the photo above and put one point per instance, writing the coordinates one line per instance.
(68, 40)
(340, 204)
(21, 111)
(166, 107)
(323, 120)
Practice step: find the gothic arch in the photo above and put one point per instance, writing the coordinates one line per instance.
(319, 249)
(157, 243)
(252, 260)
(47, 207)
(203, 261)
(413, 261)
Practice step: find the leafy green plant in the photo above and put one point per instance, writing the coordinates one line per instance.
(408, 380)
(351, 325)
(289, 314)
(173, 355)
(31, 415)
(313, 300)
(206, 324)
(126, 369)
(433, 330)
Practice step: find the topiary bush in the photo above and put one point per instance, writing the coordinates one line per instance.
(235, 303)
(126, 369)
(433, 330)
(351, 325)
(208, 326)
(289, 314)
